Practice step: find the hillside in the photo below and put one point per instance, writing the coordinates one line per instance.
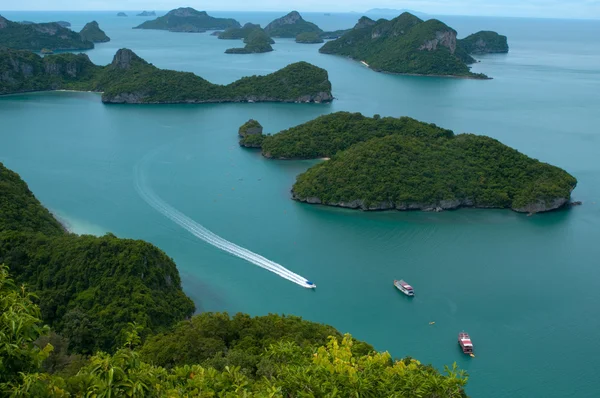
(484, 42)
(130, 79)
(405, 45)
(290, 26)
(309, 38)
(92, 32)
(409, 173)
(186, 19)
(242, 33)
(35, 37)
(257, 41)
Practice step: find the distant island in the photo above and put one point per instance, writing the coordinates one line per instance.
(121, 14)
(64, 24)
(309, 38)
(129, 79)
(290, 26)
(393, 11)
(146, 14)
(389, 163)
(406, 45)
(35, 37)
(92, 32)
(484, 42)
(257, 41)
(188, 20)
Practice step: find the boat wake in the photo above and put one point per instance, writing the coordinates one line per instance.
(143, 189)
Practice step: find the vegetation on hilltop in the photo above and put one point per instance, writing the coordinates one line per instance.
(289, 367)
(38, 36)
(92, 32)
(242, 33)
(130, 79)
(328, 134)
(405, 44)
(309, 38)
(290, 26)
(407, 172)
(187, 19)
(257, 41)
(484, 42)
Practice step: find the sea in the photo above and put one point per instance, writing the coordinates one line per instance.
(527, 289)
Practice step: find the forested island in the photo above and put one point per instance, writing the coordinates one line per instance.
(255, 38)
(484, 42)
(407, 45)
(92, 32)
(290, 26)
(187, 19)
(109, 318)
(37, 36)
(401, 163)
(130, 79)
(146, 14)
(309, 38)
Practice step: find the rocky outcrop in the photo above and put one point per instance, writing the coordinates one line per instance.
(484, 42)
(92, 32)
(543, 206)
(251, 127)
(290, 25)
(364, 22)
(125, 58)
(3, 22)
(442, 38)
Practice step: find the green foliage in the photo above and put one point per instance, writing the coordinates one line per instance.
(406, 45)
(35, 37)
(484, 42)
(409, 172)
(257, 41)
(251, 126)
(242, 33)
(186, 19)
(290, 26)
(20, 210)
(328, 134)
(90, 287)
(309, 38)
(130, 79)
(92, 32)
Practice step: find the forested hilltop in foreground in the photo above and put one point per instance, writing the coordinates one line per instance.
(124, 297)
(130, 79)
(388, 163)
(409, 45)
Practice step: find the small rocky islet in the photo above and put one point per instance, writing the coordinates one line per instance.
(400, 163)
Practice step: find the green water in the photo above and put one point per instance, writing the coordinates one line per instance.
(525, 288)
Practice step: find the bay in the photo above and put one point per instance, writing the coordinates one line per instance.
(525, 288)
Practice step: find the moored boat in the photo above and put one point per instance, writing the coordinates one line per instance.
(404, 288)
(465, 343)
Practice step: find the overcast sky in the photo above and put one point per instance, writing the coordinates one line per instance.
(522, 8)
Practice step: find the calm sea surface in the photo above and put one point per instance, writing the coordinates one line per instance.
(527, 289)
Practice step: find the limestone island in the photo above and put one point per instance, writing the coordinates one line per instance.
(290, 26)
(251, 134)
(188, 20)
(309, 38)
(484, 42)
(37, 36)
(256, 42)
(407, 45)
(131, 80)
(146, 14)
(404, 164)
(121, 14)
(92, 32)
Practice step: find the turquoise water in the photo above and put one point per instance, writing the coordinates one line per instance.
(525, 288)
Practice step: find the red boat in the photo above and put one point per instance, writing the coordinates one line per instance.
(465, 343)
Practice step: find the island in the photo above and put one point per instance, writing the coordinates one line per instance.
(242, 33)
(131, 80)
(187, 19)
(484, 42)
(290, 26)
(146, 14)
(121, 14)
(256, 42)
(400, 163)
(309, 38)
(405, 45)
(251, 134)
(38, 36)
(92, 32)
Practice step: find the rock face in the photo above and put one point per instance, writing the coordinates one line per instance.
(92, 32)
(249, 128)
(125, 58)
(364, 22)
(445, 38)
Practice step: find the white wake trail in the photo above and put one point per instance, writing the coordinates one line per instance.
(206, 235)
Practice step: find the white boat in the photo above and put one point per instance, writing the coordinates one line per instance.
(404, 288)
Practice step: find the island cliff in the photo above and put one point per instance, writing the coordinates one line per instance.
(405, 45)
(484, 42)
(92, 32)
(403, 164)
(130, 79)
(187, 19)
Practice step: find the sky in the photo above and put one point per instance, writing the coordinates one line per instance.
(588, 9)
